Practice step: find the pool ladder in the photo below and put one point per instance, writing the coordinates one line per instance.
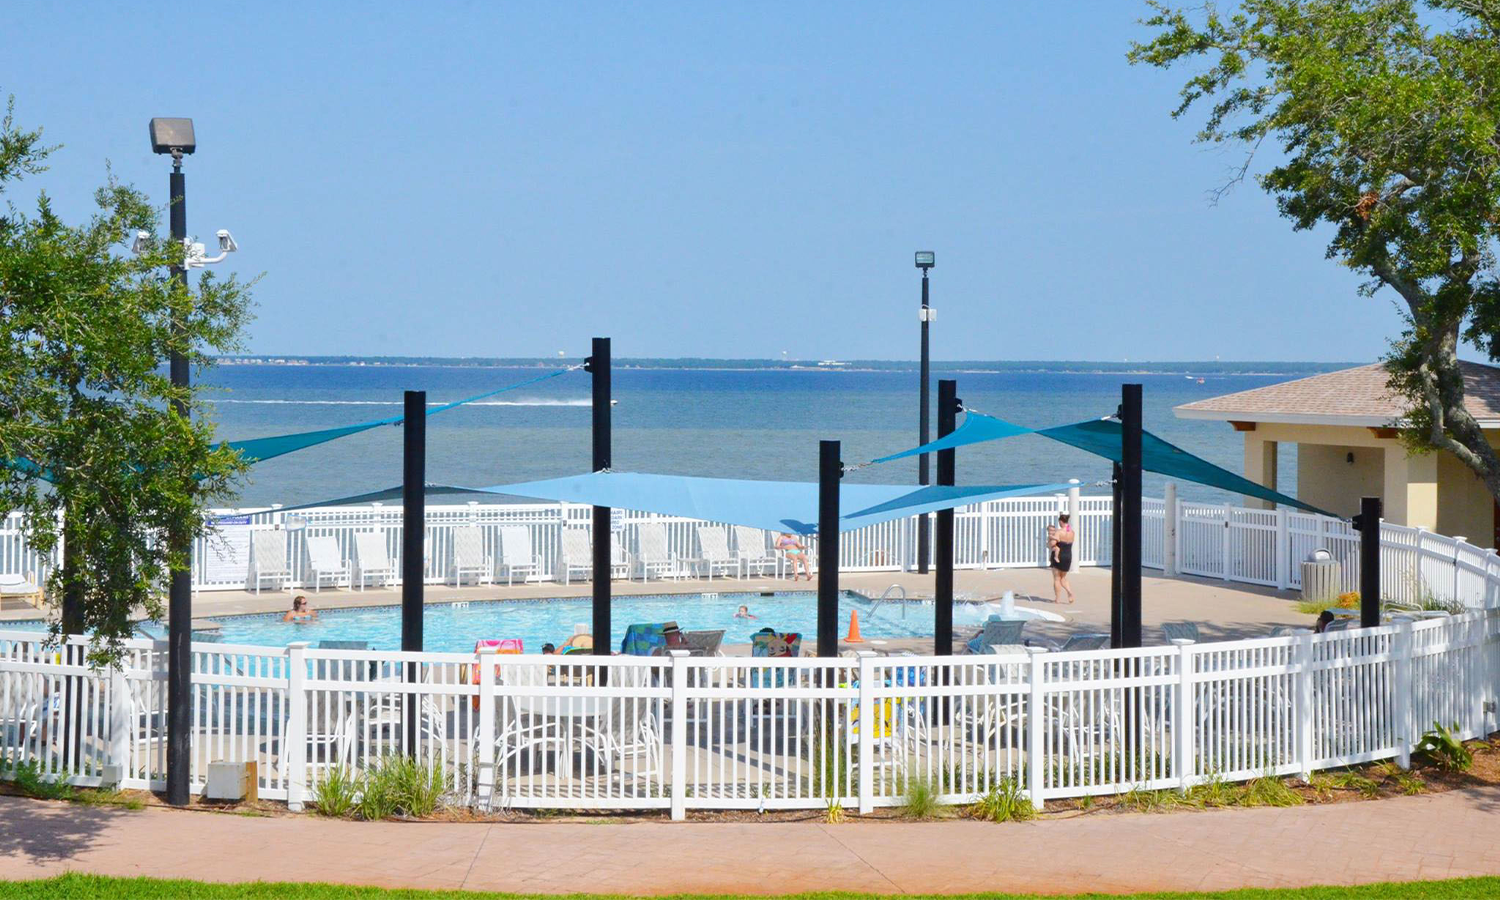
(885, 598)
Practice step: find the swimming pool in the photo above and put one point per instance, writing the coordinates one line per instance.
(454, 627)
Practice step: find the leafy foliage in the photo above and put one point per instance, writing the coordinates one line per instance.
(1004, 802)
(87, 405)
(1444, 750)
(1387, 116)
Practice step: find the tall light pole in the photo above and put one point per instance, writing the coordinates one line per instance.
(926, 259)
(175, 137)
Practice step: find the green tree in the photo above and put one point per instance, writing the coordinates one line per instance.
(1387, 115)
(87, 426)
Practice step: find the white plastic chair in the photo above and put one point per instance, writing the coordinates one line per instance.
(326, 563)
(371, 559)
(652, 556)
(516, 555)
(713, 551)
(753, 553)
(268, 559)
(469, 557)
(575, 554)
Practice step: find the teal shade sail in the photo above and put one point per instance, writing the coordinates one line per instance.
(390, 493)
(27, 467)
(975, 429)
(256, 450)
(790, 506)
(1102, 437)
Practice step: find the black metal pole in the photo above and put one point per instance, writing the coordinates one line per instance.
(598, 365)
(413, 531)
(924, 552)
(947, 460)
(1368, 523)
(180, 592)
(830, 470)
(1115, 609)
(1130, 516)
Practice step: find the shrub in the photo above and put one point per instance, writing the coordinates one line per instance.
(416, 790)
(31, 782)
(1004, 802)
(920, 800)
(1442, 749)
(335, 794)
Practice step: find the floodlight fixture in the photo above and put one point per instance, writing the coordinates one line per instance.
(142, 242)
(174, 136)
(926, 259)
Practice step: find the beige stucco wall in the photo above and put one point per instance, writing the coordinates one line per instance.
(1327, 480)
(1432, 490)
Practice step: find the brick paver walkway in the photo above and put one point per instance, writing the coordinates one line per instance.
(1437, 836)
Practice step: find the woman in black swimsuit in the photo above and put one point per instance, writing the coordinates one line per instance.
(1062, 559)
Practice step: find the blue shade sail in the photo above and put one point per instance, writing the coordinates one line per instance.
(790, 506)
(975, 429)
(256, 450)
(1102, 437)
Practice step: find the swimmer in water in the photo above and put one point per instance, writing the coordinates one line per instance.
(744, 613)
(300, 611)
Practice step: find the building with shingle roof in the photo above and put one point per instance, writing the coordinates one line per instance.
(1345, 425)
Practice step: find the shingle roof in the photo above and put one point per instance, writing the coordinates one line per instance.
(1357, 396)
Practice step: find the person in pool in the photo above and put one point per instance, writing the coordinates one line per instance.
(796, 554)
(300, 611)
(744, 613)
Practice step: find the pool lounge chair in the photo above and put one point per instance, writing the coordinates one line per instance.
(19, 588)
(469, 557)
(754, 554)
(325, 563)
(516, 555)
(1179, 631)
(703, 643)
(1089, 640)
(268, 559)
(371, 559)
(997, 632)
(713, 551)
(645, 638)
(773, 645)
(652, 554)
(575, 554)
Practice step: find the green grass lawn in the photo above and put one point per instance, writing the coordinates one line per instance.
(88, 887)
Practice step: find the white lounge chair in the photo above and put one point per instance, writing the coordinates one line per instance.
(469, 557)
(326, 563)
(17, 587)
(268, 559)
(652, 556)
(753, 553)
(371, 559)
(713, 551)
(575, 554)
(516, 555)
(619, 560)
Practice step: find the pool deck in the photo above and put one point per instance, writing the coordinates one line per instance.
(1223, 611)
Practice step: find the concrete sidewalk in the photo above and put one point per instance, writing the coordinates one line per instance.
(1427, 837)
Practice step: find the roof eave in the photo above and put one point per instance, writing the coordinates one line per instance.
(1281, 418)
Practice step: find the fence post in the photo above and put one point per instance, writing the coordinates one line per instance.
(122, 719)
(1036, 714)
(679, 734)
(1228, 517)
(484, 786)
(868, 719)
(1458, 547)
(1303, 678)
(294, 741)
(1401, 653)
(1169, 514)
(1184, 719)
(1283, 549)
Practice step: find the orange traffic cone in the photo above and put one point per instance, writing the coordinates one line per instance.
(853, 636)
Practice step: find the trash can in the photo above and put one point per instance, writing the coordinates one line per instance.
(1322, 576)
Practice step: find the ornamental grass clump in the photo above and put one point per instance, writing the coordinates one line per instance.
(1004, 802)
(392, 786)
(920, 800)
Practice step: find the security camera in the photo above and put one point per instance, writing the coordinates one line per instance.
(142, 242)
(226, 241)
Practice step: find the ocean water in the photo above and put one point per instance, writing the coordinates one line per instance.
(762, 424)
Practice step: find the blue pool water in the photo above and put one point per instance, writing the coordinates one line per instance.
(454, 627)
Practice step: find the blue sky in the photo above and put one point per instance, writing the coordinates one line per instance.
(503, 179)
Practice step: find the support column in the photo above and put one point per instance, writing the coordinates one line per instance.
(413, 530)
(598, 365)
(1130, 512)
(1169, 516)
(942, 607)
(1368, 524)
(830, 470)
(1260, 467)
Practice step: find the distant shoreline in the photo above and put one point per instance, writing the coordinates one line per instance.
(1008, 367)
